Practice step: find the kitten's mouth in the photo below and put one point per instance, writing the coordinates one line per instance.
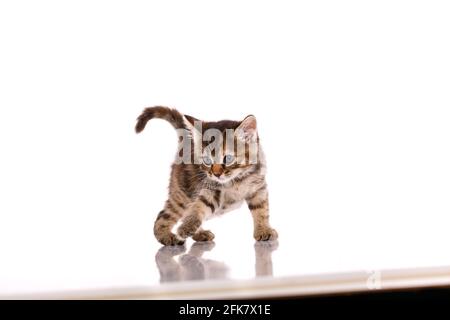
(220, 179)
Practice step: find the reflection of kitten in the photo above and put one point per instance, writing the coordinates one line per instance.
(263, 258)
(215, 185)
(190, 266)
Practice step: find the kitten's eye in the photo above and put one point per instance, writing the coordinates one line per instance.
(228, 159)
(207, 161)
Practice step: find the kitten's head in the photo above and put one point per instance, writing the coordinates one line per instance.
(229, 149)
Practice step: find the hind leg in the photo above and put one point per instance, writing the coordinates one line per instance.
(163, 228)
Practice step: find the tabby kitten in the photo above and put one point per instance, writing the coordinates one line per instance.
(219, 165)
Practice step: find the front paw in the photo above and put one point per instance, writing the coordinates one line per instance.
(189, 226)
(203, 236)
(265, 234)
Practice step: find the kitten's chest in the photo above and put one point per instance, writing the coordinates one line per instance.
(230, 199)
(232, 195)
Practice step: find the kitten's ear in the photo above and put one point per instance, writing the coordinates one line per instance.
(247, 130)
(191, 119)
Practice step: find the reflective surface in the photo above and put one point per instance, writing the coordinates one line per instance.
(117, 255)
(175, 264)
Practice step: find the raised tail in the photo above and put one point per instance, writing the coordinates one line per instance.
(173, 116)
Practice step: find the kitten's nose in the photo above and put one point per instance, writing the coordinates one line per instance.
(217, 170)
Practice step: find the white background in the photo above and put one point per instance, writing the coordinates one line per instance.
(352, 100)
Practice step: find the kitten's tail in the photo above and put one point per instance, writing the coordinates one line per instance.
(173, 116)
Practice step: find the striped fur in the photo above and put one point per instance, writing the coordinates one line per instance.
(195, 194)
